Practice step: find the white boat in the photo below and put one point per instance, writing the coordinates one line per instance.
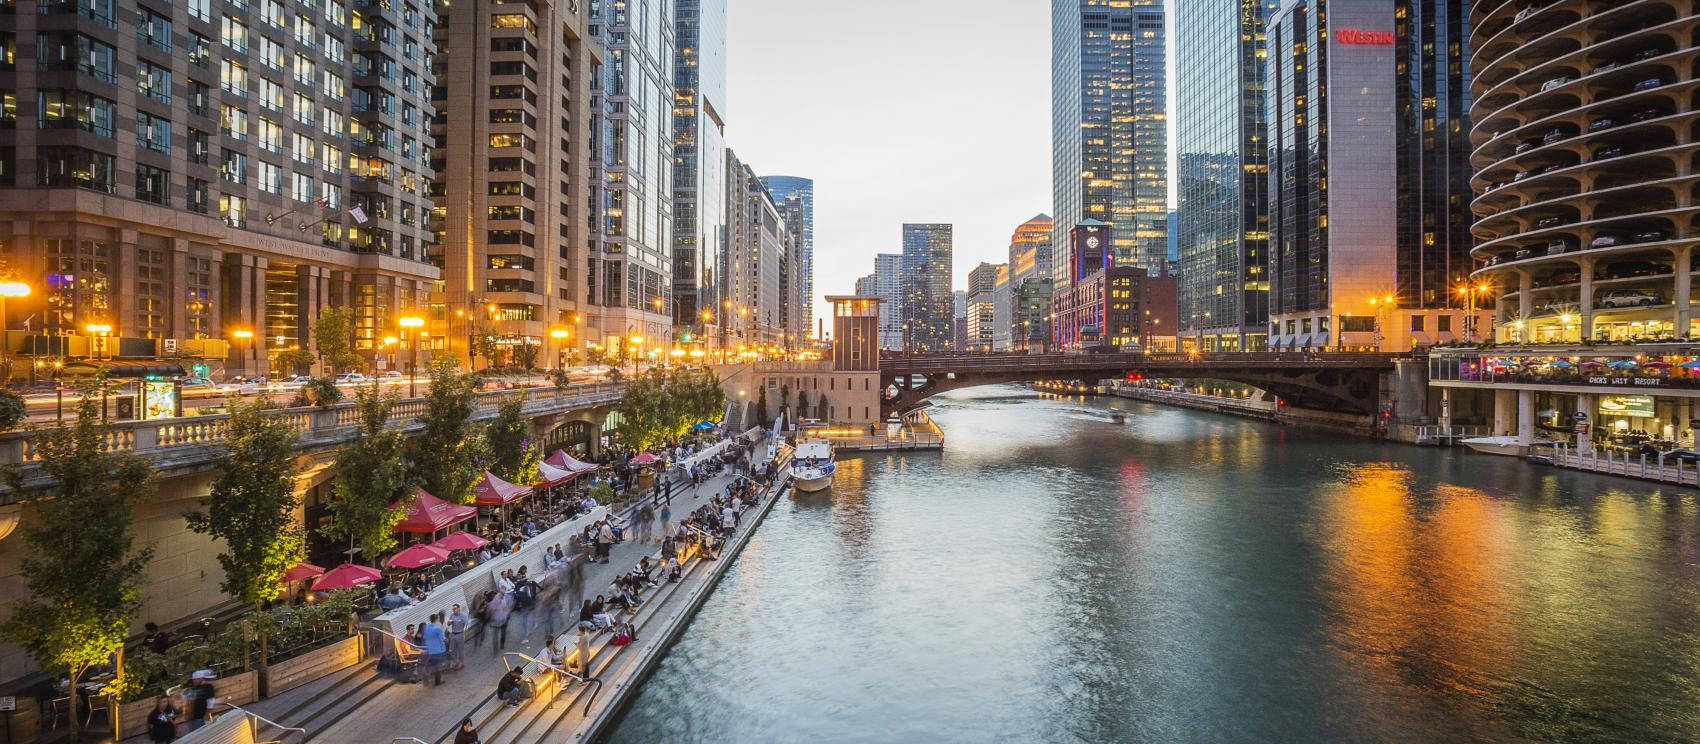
(1506, 445)
(812, 466)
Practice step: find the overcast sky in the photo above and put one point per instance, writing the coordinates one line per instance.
(901, 111)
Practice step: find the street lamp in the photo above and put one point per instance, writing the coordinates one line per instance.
(9, 289)
(411, 323)
(246, 336)
(560, 335)
(1380, 303)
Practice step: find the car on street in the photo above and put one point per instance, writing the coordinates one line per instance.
(350, 377)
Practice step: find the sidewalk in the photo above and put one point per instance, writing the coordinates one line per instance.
(427, 712)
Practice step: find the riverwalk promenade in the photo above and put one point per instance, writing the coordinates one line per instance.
(359, 706)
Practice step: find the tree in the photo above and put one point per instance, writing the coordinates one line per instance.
(293, 361)
(803, 408)
(822, 408)
(761, 407)
(371, 475)
(486, 344)
(251, 507)
(448, 455)
(333, 333)
(12, 409)
(525, 355)
(784, 399)
(513, 456)
(85, 580)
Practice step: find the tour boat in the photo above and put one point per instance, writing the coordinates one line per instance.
(1506, 445)
(812, 465)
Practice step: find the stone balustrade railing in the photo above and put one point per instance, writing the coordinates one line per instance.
(314, 425)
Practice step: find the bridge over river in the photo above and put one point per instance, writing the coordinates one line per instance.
(1346, 382)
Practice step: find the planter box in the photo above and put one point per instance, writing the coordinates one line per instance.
(237, 689)
(292, 673)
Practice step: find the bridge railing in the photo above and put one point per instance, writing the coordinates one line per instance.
(312, 424)
(953, 362)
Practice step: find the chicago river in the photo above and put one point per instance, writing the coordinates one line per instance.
(1190, 576)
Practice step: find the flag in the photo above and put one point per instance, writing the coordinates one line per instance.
(358, 214)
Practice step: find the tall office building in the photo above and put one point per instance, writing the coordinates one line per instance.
(1431, 84)
(179, 172)
(699, 165)
(1222, 223)
(959, 321)
(888, 286)
(928, 306)
(981, 310)
(1341, 202)
(1003, 310)
(512, 158)
(1109, 138)
(797, 196)
(1030, 249)
(630, 269)
(794, 320)
(755, 258)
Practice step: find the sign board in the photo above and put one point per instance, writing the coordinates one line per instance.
(160, 399)
(1581, 428)
(168, 346)
(200, 369)
(126, 407)
(8, 703)
(1580, 416)
(1637, 406)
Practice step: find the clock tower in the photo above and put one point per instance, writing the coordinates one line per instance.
(1088, 250)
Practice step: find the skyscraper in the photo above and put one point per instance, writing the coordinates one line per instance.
(510, 165)
(178, 172)
(1222, 234)
(888, 286)
(699, 164)
(631, 270)
(1351, 222)
(786, 189)
(1109, 135)
(982, 308)
(928, 305)
(1030, 249)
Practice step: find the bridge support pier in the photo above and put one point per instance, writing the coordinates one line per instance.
(1503, 400)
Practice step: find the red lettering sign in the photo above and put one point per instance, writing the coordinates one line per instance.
(1360, 36)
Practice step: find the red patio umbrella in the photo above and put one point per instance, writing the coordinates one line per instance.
(430, 514)
(550, 475)
(460, 540)
(302, 570)
(493, 491)
(645, 459)
(568, 463)
(346, 576)
(1655, 364)
(418, 556)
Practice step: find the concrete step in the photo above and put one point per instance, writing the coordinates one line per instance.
(524, 726)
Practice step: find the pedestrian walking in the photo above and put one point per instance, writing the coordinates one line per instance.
(525, 601)
(436, 649)
(501, 607)
(666, 518)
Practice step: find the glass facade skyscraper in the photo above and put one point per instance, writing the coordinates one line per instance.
(785, 189)
(1222, 222)
(699, 165)
(631, 270)
(1432, 87)
(1109, 134)
(1350, 218)
(929, 308)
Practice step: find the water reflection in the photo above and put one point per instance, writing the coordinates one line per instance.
(1191, 577)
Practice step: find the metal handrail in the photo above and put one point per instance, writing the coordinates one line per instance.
(597, 681)
(410, 644)
(267, 721)
(410, 739)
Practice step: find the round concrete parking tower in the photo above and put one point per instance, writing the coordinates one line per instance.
(1586, 166)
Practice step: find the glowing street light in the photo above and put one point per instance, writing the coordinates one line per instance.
(412, 323)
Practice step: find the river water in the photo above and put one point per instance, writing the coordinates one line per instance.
(1193, 577)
